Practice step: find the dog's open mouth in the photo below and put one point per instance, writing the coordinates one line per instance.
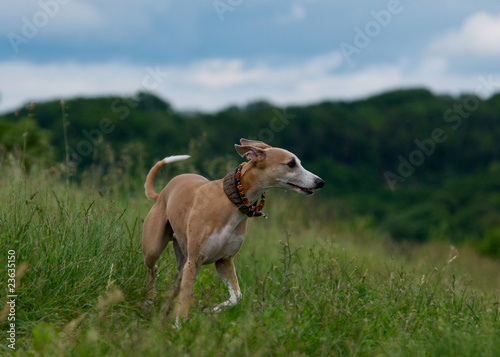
(307, 191)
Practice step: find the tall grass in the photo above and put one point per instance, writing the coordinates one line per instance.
(313, 284)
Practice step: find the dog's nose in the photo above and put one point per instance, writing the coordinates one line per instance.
(319, 182)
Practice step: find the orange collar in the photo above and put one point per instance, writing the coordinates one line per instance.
(236, 194)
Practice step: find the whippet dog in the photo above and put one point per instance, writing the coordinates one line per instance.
(206, 220)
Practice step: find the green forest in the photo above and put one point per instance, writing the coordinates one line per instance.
(415, 165)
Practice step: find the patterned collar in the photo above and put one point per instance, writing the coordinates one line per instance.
(236, 194)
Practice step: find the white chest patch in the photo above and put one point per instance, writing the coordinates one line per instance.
(222, 243)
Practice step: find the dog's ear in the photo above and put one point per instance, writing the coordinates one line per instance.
(251, 152)
(255, 143)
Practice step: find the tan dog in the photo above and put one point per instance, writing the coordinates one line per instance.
(206, 220)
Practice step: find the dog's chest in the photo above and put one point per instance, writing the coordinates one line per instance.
(223, 243)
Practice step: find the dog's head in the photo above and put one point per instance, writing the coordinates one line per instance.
(279, 168)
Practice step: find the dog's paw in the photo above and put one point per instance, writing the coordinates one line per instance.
(221, 307)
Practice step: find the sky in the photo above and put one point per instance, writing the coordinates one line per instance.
(207, 55)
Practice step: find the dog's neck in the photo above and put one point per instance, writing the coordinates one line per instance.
(251, 182)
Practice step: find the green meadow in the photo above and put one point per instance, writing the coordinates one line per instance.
(398, 255)
(314, 282)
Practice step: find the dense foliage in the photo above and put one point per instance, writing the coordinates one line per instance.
(421, 166)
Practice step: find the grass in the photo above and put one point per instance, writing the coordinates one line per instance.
(313, 284)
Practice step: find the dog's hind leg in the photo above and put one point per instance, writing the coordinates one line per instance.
(181, 261)
(226, 270)
(156, 234)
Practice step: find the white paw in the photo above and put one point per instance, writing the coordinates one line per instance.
(227, 303)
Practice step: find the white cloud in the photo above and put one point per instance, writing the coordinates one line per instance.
(50, 17)
(23, 82)
(214, 84)
(297, 13)
(219, 74)
(13, 11)
(73, 20)
(479, 35)
(78, 16)
(231, 73)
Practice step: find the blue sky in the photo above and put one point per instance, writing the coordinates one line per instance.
(210, 54)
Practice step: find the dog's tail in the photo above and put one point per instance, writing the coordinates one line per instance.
(150, 191)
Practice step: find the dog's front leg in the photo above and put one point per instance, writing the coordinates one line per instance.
(227, 272)
(188, 275)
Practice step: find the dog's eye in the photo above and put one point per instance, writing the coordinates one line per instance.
(292, 164)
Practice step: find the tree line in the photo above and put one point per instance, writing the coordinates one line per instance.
(421, 166)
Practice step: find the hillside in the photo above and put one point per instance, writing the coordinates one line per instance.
(417, 165)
